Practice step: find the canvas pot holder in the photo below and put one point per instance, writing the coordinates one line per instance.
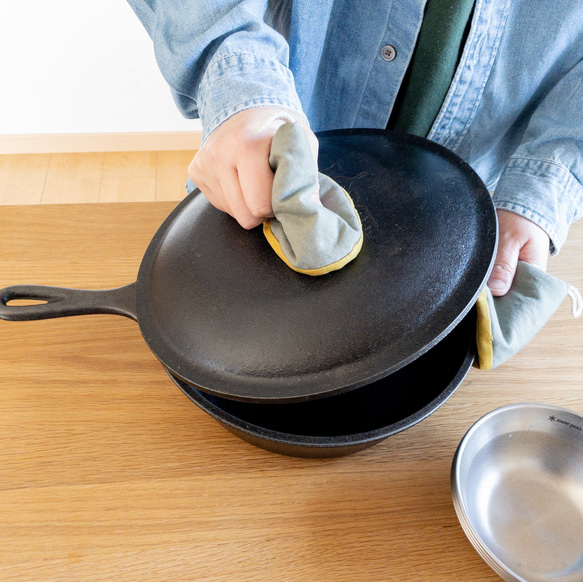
(506, 324)
(316, 228)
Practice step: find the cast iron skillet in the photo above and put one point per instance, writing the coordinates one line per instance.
(225, 316)
(355, 420)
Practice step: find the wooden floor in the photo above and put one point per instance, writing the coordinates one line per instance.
(93, 177)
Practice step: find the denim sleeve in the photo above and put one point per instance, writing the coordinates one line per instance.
(543, 180)
(219, 57)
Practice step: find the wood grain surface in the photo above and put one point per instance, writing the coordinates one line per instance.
(89, 177)
(107, 472)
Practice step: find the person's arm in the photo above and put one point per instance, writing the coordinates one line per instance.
(225, 65)
(218, 57)
(540, 192)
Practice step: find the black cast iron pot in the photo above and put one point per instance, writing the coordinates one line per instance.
(259, 346)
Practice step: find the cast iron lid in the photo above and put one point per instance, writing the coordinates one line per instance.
(225, 314)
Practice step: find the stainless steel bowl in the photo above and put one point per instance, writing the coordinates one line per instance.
(517, 487)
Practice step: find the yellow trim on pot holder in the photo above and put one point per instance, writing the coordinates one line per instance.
(274, 243)
(335, 266)
(484, 340)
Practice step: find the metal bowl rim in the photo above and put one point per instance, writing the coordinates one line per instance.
(459, 500)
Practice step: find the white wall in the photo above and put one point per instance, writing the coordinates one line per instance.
(80, 67)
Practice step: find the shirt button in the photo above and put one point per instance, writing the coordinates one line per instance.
(388, 52)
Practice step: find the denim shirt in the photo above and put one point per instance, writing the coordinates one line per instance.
(514, 110)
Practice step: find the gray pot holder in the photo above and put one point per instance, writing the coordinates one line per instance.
(316, 228)
(506, 324)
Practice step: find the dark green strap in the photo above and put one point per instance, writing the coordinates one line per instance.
(439, 47)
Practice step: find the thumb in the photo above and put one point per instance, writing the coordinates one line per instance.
(520, 239)
(504, 269)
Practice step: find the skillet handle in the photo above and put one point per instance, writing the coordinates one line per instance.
(61, 302)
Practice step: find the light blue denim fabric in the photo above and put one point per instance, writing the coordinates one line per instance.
(514, 110)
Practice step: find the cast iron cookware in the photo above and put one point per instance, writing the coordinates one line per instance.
(354, 420)
(226, 317)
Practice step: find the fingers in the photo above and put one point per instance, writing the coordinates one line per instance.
(225, 189)
(240, 207)
(256, 186)
(504, 270)
(232, 168)
(519, 239)
(208, 185)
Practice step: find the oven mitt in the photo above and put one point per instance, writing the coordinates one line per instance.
(506, 324)
(316, 228)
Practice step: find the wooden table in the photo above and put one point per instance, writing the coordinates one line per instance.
(107, 472)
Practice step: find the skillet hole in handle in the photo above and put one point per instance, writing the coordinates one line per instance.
(45, 302)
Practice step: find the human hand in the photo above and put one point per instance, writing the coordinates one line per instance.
(232, 167)
(519, 239)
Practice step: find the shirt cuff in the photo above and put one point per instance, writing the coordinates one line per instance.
(543, 191)
(244, 81)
